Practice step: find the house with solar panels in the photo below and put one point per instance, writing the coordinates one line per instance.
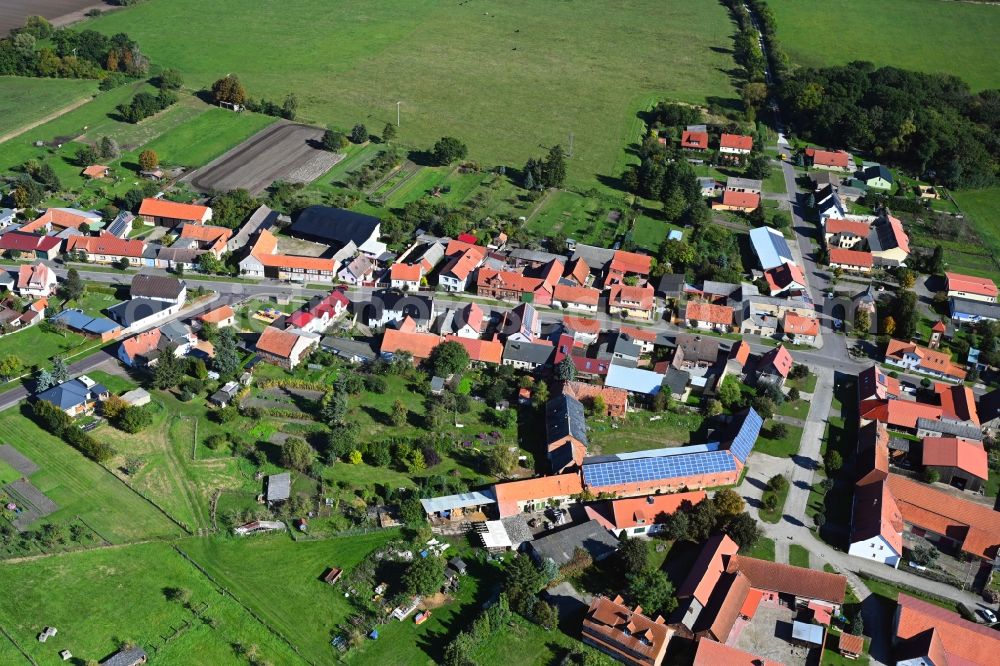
(671, 469)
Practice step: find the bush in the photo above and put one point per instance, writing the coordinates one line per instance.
(133, 419)
(216, 441)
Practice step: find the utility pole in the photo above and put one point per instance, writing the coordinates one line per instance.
(397, 113)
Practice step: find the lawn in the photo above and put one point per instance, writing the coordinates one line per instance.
(894, 32)
(83, 488)
(798, 555)
(890, 591)
(762, 550)
(806, 385)
(504, 78)
(774, 516)
(34, 346)
(122, 591)
(114, 383)
(781, 447)
(26, 100)
(797, 409)
(637, 432)
(280, 580)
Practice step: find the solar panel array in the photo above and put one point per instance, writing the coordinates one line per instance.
(656, 469)
(745, 439)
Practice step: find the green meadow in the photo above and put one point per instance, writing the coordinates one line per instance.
(510, 79)
(957, 38)
(25, 100)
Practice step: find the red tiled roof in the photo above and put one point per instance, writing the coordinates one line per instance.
(780, 277)
(797, 325)
(851, 257)
(644, 334)
(420, 345)
(712, 653)
(216, 315)
(615, 399)
(876, 513)
(460, 247)
(29, 274)
(24, 242)
(142, 344)
(579, 271)
(406, 272)
(737, 141)
(851, 644)
(835, 225)
(957, 401)
(707, 312)
(572, 294)
(462, 264)
(540, 488)
(473, 316)
(95, 171)
(635, 511)
(619, 630)
(787, 579)
(965, 454)
(899, 413)
(740, 352)
(299, 318)
(930, 359)
(172, 210)
(876, 383)
(873, 454)
(206, 233)
(708, 568)
(277, 342)
(484, 351)
(582, 324)
(829, 158)
(697, 140)
(106, 244)
(899, 234)
(733, 199)
(644, 296)
(292, 261)
(725, 613)
(57, 217)
(963, 641)
(780, 358)
(630, 262)
(975, 525)
(971, 284)
(265, 244)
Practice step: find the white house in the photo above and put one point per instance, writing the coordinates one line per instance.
(35, 280)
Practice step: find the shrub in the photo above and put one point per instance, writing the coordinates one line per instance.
(216, 441)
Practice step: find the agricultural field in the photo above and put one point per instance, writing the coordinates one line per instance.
(506, 79)
(123, 592)
(27, 100)
(982, 210)
(894, 32)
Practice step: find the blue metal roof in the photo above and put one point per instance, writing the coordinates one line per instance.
(634, 379)
(81, 321)
(746, 436)
(771, 247)
(656, 469)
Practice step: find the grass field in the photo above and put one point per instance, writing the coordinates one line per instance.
(982, 209)
(81, 487)
(927, 35)
(25, 100)
(781, 447)
(509, 79)
(763, 549)
(33, 346)
(798, 555)
(637, 432)
(121, 592)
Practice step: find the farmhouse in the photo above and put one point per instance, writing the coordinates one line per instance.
(912, 356)
(747, 185)
(928, 634)
(527, 355)
(284, 348)
(418, 345)
(535, 285)
(625, 634)
(158, 288)
(19, 245)
(735, 144)
(875, 176)
(845, 234)
(966, 311)
(831, 160)
(391, 307)
(559, 547)
(634, 302)
(709, 317)
(462, 260)
(851, 260)
(959, 462)
(570, 297)
(128, 656)
(121, 226)
(641, 516)
(59, 219)
(171, 214)
(263, 260)
(876, 524)
(565, 433)
(889, 244)
(140, 349)
(204, 237)
(615, 400)
(405, 276)
(96, 172)
(713, 653)
(785, 279)
(800, 330)
(530, 495)
(694, 140)
(359, 270)
(522, 324)
(624, 264)
(221, 316)
(744, 202)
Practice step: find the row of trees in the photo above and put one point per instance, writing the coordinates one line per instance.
(61, 424)
(144, 105)
(72, 54)
(549, 171)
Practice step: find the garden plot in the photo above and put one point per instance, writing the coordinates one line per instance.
(33, 503)
(284, 151)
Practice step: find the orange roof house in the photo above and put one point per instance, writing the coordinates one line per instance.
(735, 143)
(582, 297)
(707, 315)
(578, 271)
(914, 357)
(171, 213)
(419, 345)
(741, 201)
(615, 399)
(627, 263)
(796, 326)
(836, 226)
(220, 316)
(947, 636)
(106, 248)
(713, 653)
(974, 527)
(898, 414)
(284, 348)
(851, 259)
(788, 579)
(96, 171)
(59, 218)
(876, 524)
(625, 634)
(406, 273)
(964, 454)
(513, 496)
(829, 159)
(777, 362)
(139, 346)
(873, 453)
(968, 286)
(641, 515)
(957, 402)
(875, 383)
(784, 278)
(694, 140)
(206, 237)
(482, 351)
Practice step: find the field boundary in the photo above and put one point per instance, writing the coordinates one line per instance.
(27, 656)
(41, 121)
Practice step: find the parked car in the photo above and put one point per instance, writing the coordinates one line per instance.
(987, 615)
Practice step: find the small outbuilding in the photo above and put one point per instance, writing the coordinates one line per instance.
(458, 565)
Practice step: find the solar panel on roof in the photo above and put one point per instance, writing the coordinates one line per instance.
(746, 437)
(659, 468)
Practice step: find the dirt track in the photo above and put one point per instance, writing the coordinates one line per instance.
(283, 151)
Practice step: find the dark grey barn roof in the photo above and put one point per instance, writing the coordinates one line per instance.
(334, 225)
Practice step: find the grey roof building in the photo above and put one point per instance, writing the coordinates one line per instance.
(157, 287)
(597, 258)
(529, 354)
(126, 657)
(279, 487)
(738, 184)
(337, 226)
(73, 393)
(560, 546)
(967, 310)
(564, 418)
(671, 285)
(356, 351)
(262, 218)
(129, 313)
(934, 428)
